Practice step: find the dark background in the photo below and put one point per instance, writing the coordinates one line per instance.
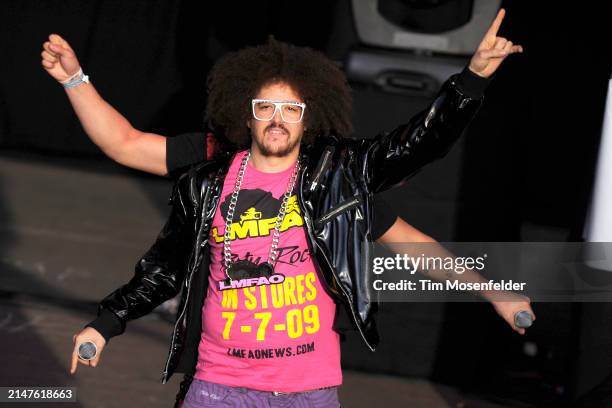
(523, 170)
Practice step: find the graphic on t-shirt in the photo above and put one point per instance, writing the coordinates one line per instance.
(255, 216)
(256, 213)
(296, 296)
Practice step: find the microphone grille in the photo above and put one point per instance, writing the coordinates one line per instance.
(87, 350)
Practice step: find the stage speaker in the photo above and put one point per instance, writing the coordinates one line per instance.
(410, 47)
(444, 26)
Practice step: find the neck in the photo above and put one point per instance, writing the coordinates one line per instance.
(272, 164)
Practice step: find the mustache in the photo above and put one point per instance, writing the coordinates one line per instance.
(276, 127)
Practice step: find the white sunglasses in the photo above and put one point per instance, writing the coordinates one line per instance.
(291, 112)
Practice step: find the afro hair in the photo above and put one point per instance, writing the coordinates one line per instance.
(237, 77)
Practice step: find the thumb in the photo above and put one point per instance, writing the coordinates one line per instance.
(67, 58)
(58, 49)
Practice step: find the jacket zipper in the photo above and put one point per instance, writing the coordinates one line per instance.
(321, 168)
(335, 211)
(309, 230)
(191, 272)
(205, 203)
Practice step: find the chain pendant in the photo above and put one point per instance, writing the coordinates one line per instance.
(244, 268)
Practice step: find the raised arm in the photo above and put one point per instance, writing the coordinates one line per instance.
(394, 156)
(106, 127)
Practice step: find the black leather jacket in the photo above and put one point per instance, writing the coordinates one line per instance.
(337, 181)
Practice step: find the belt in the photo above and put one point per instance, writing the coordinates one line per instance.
(279, 393)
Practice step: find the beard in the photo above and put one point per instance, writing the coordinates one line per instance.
(277, 148)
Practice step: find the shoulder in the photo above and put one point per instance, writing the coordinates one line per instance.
(340, 147)
(201, 171)
(190, 182)
(330, 142)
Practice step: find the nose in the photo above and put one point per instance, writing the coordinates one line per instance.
(277, 117)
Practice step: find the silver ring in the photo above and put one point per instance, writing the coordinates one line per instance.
(87, 350)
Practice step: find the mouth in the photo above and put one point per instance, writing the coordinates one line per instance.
(276, 132)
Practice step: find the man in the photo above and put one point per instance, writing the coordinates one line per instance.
(252, 328)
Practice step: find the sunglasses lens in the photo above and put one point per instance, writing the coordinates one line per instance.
(290, 112)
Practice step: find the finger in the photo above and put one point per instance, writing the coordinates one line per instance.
(96, 361)
(47, 47)
(57, 39)
(496, 23)
(60, 50)
(533, 316)
(500, 43)
(48, 57)
(75, 361)
(516, 48)
(493, 53)
(508, 47)
(47, 64)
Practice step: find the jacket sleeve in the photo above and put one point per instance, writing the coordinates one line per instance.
(158, 274)
(391, 158)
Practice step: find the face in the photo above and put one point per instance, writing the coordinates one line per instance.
(276, 137)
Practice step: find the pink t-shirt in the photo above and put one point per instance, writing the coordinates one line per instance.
(276, 334)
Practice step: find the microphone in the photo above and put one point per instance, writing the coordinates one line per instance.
(87, 350)
(523, 319)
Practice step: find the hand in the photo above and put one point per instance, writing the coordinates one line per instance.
(59, 59)
(509, 304)
(87, 334)
(492, 50)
